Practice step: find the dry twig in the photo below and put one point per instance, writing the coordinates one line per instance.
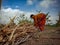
(13, 33)
(23, 40)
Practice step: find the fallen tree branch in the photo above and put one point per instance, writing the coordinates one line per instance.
(23, 40)
(13, 40)
(12, 33)
(11, 21)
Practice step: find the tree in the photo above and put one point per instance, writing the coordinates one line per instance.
(0, 4)
(58, 21)
(38, 11)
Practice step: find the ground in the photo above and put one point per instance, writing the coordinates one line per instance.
(47, 37)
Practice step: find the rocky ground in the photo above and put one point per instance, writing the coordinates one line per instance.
(26, 34)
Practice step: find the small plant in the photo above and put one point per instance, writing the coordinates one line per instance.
(22, 18)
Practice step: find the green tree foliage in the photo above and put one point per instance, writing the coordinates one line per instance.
(58, 21)
(47, 18)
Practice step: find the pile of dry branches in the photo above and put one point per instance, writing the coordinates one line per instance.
(12, 34)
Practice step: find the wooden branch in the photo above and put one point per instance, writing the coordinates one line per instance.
(7, 43)
(22, 33)
(11, 20)
(13, 33)
(13, 39)
(23, 40)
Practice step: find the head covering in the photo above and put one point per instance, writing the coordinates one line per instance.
(31, 15)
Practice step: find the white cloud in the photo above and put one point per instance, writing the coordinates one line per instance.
(9, 12)
(47, 3)
(29, 2)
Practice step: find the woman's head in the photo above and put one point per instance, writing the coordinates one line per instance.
(31, 15)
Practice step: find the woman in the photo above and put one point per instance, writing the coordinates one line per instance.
(39, 20)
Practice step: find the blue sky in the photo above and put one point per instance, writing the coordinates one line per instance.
(20, 4)
(11, 7)
(29, 5)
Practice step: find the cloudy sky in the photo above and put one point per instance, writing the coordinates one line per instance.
(11, 8)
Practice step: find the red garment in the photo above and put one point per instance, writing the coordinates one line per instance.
(39, 20)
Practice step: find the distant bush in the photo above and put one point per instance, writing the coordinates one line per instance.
(22, 18)
(54, 25)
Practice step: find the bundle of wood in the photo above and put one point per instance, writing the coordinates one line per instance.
(16, 34)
